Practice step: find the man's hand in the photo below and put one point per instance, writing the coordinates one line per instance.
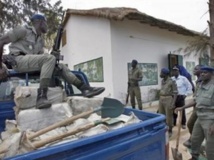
(57, 55)
(178, 109)
(3, 73)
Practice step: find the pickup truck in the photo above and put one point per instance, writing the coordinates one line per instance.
(146, 140)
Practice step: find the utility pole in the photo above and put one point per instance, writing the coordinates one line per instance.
(211, 29)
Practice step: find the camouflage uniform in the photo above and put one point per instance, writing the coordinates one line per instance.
(205, 113)
(27, 47)
(168, 89)
(134, 89)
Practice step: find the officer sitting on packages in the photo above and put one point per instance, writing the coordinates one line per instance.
(26, 55)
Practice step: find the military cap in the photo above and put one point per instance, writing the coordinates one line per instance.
(207, 68)
(165, 70)
(38, 16)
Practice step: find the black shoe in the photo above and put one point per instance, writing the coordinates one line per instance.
(42, 100)
(89, 92)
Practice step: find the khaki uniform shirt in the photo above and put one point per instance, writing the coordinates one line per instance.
(205, 100)
(24, 39)
(135, 73)
(168, 87)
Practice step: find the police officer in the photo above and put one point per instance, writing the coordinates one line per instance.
(135, 75)
(168, 95)
(26, 54)
(193, 117)
(204, 125)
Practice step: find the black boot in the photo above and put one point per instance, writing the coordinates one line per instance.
(42, 100)
(89, 92)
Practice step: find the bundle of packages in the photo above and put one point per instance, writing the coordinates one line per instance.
(25, 96)
(36, 119)
(81, 104)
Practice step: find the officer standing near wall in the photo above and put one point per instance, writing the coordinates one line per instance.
(168, 95)
(204, 125)
(135, 75)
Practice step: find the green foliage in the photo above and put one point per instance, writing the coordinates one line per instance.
(199, 45)
(18, 12)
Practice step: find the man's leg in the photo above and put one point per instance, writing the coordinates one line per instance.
(86, 90)
(138, 97)
(45, 63)
(197, 139)
(190, 125)
(169, 114)
(209, 139)
(132, 96)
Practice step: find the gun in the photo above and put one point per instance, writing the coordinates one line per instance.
(57, 41)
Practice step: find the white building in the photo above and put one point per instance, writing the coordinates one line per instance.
(103, 41)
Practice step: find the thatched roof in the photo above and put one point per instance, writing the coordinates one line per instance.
(119, 14)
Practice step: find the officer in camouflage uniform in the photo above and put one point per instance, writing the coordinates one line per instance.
(26, 54)
(135, 75)
(168, 94)
(204, 125)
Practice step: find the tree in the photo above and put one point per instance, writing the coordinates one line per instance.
(18, 12)
(203, 43)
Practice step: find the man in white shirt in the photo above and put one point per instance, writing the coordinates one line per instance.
(184, 89)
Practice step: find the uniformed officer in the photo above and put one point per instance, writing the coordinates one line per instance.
(26, 54)
(168, 95)
(135, 75)
(193, 117)
(204, 125)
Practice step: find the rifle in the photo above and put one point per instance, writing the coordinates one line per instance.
(57, 41)
(127, 95)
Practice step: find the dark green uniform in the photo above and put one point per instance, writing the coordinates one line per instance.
(205, 112)
(168, 89)
(134, 89)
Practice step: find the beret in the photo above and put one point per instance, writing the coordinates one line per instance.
(38, 16)
(165, 70)
(207, 68)
(134, 61)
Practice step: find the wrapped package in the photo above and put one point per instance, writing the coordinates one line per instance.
(82, 104)
(25, 96)
(36, 119)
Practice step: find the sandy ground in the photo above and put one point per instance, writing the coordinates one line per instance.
(183, 137)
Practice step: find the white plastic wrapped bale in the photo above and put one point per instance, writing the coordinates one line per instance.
(82, 104)
(36, 119)
(25, 96)
(10, 129)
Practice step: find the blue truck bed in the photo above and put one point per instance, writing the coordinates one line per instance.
(142, 141)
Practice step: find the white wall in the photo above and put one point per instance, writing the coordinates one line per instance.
(89, 38)
(134, 40)
(118, 42)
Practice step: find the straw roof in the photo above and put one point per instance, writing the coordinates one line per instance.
(119, 14)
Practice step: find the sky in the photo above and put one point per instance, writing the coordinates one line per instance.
(192, 14)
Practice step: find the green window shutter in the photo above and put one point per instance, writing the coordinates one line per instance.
(180, 60)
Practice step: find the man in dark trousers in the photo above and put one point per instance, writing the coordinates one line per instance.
(26, 55)
(184, 89)
(135, 75)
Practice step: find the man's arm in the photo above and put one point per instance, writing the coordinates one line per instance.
(188, 86)
(175, 93)
(190, 104)
(3, 41)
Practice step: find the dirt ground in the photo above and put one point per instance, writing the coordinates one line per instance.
(183, 137)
